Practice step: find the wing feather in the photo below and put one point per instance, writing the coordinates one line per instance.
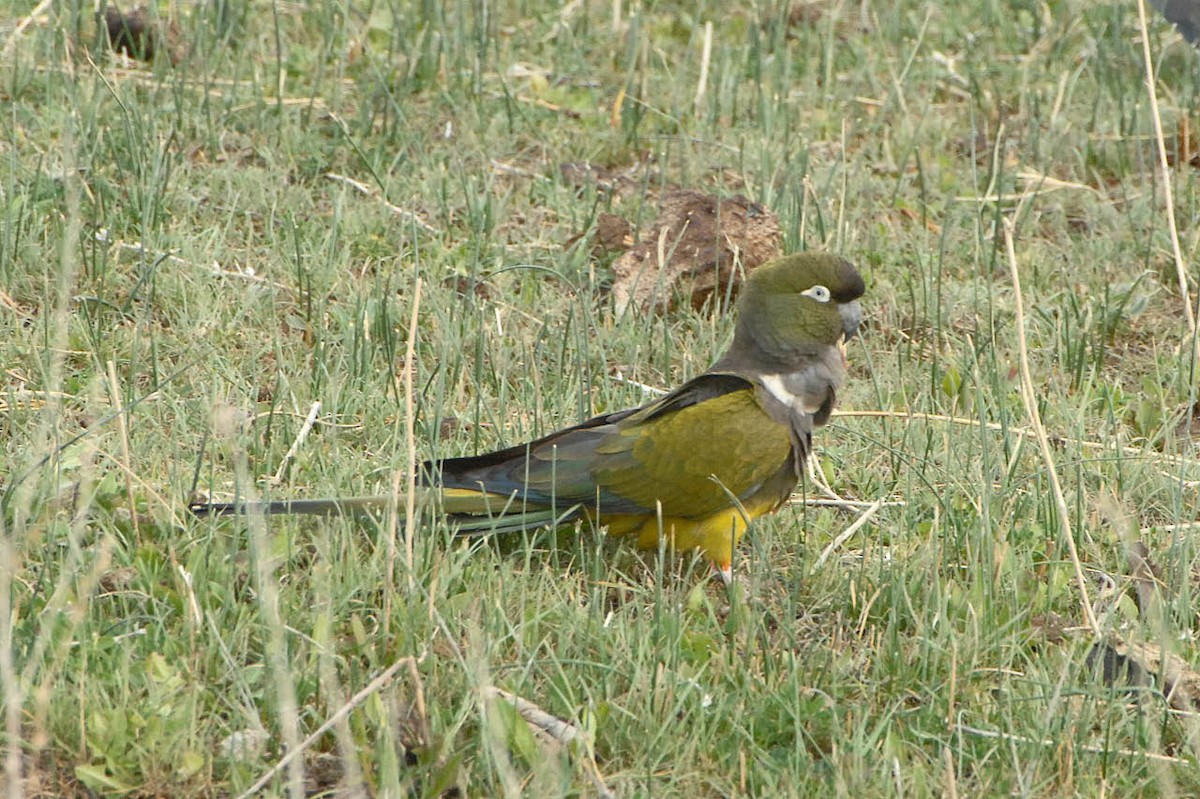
(667, 452)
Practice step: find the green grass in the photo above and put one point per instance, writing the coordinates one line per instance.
(178, 228)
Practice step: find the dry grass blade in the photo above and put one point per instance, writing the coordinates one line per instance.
(409, 216)
(297, 442)
(1165, 170)
(1024, 432)
(410, 471)
(25, 22)
(845, 535)
(1029, 397)
(1004, 736)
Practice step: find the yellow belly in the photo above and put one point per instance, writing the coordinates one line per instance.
(716, 535)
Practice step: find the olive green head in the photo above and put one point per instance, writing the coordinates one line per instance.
(796, 306)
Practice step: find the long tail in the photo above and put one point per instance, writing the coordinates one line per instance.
(345, 506)
(472, 512)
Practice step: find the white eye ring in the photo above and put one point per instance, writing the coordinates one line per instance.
(818, 293)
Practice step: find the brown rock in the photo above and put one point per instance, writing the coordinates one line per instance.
(139, 36)
(700, 244)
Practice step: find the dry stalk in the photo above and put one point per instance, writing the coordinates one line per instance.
(1029, 397)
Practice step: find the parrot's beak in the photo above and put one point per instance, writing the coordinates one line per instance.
(851, 317)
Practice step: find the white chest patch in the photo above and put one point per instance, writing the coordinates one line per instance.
(775, 386)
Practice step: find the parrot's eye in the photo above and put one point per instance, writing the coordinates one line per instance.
(818, 293)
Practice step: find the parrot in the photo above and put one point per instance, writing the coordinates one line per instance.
(690, 469)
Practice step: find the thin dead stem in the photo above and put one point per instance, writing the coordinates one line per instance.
(1024, 432)
(14, 532)
(410, 467)
(1165, 168)
(410, 437)
(1096, 750)
(114, 387)
(298, 442)
(362, 188)
(265, 573)
(705, 58)
(845, 535)
(1029, 397)
(25, 22)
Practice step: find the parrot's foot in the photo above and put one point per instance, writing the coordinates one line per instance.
(725, 573)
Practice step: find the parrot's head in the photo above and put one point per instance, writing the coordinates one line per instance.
(798, 305)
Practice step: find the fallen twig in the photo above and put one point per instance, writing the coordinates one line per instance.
(363, 188)
(844, 536)
(375, 685)
(554, 728)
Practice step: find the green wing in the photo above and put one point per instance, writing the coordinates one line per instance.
(667, 452)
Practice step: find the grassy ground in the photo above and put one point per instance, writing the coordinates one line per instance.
(176, 241)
